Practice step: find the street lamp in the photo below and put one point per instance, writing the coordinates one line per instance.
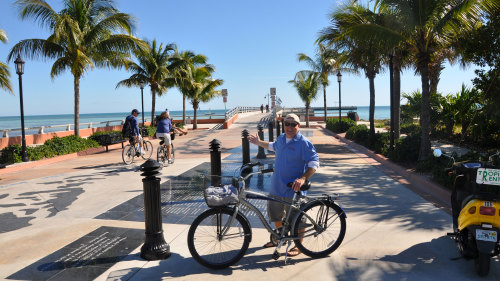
(141, 84)
(224, 98)
(20, 70)
(339, 79)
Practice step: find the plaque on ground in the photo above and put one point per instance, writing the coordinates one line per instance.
(87, 257)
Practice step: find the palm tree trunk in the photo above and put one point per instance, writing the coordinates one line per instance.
(77, 105)
(183, 109)
(397, 97)
(195, 120)
(371, 78)
(307, 114)
(324, 99)
(425, 143)
(153, 102)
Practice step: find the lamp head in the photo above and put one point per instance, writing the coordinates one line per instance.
(339, 76)
(19, 65)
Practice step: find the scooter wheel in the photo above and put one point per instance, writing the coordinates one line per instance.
(482, 264)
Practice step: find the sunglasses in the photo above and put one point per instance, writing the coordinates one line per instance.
(288, 124)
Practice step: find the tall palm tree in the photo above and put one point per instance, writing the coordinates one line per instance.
(430, 24)
(186, 61)
(325, 63)
(152, 68)
(307, 84)
(200, 87)
(4, 69)
(358, 52)
(85, 34)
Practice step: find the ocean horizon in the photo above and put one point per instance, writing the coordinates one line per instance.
(36, 121)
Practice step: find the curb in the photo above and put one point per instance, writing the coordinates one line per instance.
(427, 189)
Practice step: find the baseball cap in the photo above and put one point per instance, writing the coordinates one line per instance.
(292, 117)
(135, 111)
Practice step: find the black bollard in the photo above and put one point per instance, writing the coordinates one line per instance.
(261, 154)
(271, 131)
(245, 147)
(278, 129)
(283, 125)
(155, 247)
(215, 163)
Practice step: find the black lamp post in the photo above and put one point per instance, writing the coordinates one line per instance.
(141, 84)
(20, 70)
(339, 79)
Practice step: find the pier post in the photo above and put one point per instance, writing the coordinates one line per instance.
(261, 154)
(245, 147)
(215, 163)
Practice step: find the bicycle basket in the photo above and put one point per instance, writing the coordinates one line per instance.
(220, 196)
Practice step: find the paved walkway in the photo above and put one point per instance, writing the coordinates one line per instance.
(56, 218)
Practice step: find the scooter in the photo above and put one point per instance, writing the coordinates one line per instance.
(475, 202)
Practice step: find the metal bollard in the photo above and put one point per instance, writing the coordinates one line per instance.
(245, 147)
(215, 163)
(278, 129)
(271, 131)
(261, 154)
(283, 125)
(155, 247)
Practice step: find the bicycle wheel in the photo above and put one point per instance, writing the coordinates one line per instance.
(128, 154)
(322, 241)
(172, 153)
(147, 147)
(160, 155)
(212, 250)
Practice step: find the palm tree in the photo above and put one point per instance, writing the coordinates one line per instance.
(307, 84)
(199, 86)
(4, 69)
(153, 68)
(358, 52)
(326, 64)
(186, 61)
(85, 34)
(430, 24)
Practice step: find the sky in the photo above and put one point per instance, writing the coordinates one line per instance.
(252, 44)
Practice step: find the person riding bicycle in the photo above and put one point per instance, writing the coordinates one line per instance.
(135, 133)
(296, 161)
(163, 132)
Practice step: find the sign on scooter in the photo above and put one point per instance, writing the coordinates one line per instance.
(488, 176)
(486, 235)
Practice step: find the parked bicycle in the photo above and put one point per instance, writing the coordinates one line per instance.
(220, 236)
(132, 150)
(161, 154)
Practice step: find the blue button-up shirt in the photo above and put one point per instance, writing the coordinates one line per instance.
(292, 160)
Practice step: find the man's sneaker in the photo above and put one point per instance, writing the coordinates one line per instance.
(170, 161)
(142, 152)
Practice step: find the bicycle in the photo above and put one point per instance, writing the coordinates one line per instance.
(133, 150)
(220, 236)
(161, 154)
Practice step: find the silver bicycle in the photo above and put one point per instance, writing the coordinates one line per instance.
(220, 236)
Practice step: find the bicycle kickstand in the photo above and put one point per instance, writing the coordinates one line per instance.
(276, 253)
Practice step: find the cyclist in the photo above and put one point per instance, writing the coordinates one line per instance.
(135, 133)
(296, 161)
(163, 132)
(175, 128)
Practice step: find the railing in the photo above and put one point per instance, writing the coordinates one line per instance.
(241, 109)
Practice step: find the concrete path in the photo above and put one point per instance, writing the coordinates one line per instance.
(392, 233)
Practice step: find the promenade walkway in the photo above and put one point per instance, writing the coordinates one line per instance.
(82, 219)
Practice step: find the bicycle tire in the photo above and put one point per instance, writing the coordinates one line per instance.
(207, 249)
(128, 154)
(323, 243)
(172, 153)
(160, 154)
(147, 147)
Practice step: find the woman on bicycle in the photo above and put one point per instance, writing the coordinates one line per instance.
(163, 132)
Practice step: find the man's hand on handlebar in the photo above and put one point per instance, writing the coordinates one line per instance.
(298, 183)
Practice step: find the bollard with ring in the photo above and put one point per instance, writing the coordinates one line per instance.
(261, 154)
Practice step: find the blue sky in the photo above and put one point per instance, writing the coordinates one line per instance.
(253, 45)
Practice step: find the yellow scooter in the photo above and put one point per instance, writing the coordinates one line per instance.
(475, 202)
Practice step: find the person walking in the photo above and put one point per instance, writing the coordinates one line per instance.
(267, 107)
(262, 108)
(296, 161)
(134, 125)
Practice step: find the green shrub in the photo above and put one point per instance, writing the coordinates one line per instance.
(333, 125)
(53, 147)
(358, 133)
(411, 129)
(151, 131)
(100, 133)
(380, 144)
(406, 149)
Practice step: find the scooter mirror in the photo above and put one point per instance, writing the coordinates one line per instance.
(437, 152)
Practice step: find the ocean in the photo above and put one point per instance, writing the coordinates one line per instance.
(34, 121)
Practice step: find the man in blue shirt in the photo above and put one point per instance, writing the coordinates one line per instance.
(296, 161)
(134, 124)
